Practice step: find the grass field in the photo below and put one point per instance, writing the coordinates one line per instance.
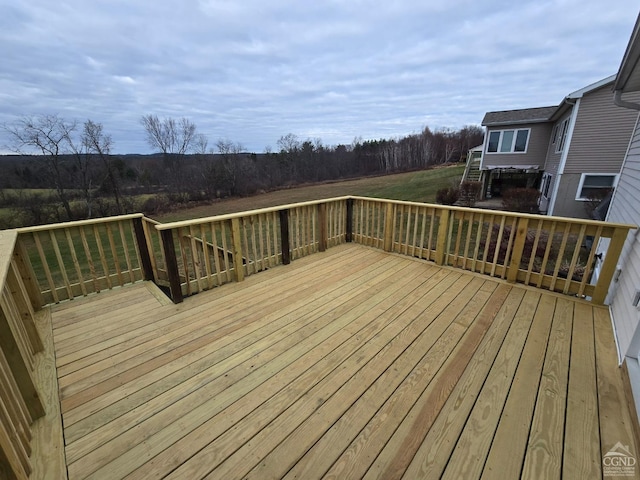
(418, 186)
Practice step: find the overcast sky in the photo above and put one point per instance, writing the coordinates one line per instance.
(254, 70)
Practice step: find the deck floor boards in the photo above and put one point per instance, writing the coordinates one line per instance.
(351, 363)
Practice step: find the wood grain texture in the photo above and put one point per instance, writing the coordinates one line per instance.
(349, 363)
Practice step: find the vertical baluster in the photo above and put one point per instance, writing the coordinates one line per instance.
(114, 253)
(103, 258)
(195, 257)
(509, 252)
(534, 249)
(61, 265)
(496, 252)
(74, 259)
(216, 253)
(476, 250)
(182, 245)
(547, 252)
(261, 240)
(206, 247)
(467, 242)
(574, 258)
(87, 253)
(127, 256)
(253, 244)
(563, 245)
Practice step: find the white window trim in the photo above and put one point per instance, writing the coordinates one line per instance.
(615, 176)
(513, 141)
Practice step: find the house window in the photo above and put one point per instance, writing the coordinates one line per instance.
(508, 141)
(595, 185)
(546, 185)
(563, 129)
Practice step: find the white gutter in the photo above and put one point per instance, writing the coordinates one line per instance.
(617, 99)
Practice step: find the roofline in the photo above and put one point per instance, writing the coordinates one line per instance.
(630, 58)
(515, 122)
(590, 88)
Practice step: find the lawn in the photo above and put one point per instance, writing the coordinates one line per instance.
(418, 186)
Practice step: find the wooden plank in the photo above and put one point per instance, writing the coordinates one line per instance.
(389, 222)
(103, 258)
(351, 379)
(143, 249)
(28, 275)
(442, 241)
(284, 237)
(431, 444)
(518, 248)
(48, 458)
(236, 240)
(61, 265)
(74, 259)
(510, 440)
(472, 447)
(87, 252)
(20, 367)
(19, 295)
(546, 438)
(174, 431)
(372, 418)
(114, 253)
(45, 266)
(171, 264)
(581, 458)
(322, 226)
(616, 423)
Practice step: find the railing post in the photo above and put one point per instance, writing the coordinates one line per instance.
(349, 232)
(443, 232)
(322, 224)
(171, 263)
(284, 236)
(236, 241)
(609, 266)
(388, 228)
(145, 258)
(518, 248)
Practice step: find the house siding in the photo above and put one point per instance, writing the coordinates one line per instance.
(552, 160)
(566, 204)
(601, 133)
(536, 148)
(625, 208)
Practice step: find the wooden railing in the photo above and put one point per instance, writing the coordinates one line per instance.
(76, 258)
(52, 263)
(553, 253)
(204, 253)
(20, 403)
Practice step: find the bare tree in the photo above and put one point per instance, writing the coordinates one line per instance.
(48, 136)
(174, 138)
(232, 163)
(97, 143)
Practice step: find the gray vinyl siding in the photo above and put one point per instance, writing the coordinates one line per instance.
(601, 134)
(566, 204)
(625, 208)
(536, 149)
(552, 158)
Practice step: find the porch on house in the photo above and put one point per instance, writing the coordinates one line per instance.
(349, 363)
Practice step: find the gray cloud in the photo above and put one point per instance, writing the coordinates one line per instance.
(252, 71)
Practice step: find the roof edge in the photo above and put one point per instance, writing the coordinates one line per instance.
(589, 88)
(630, 58)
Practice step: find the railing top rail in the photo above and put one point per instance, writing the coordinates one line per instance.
(7, 243)
(580, 221)
(78, 223)
(246, 213)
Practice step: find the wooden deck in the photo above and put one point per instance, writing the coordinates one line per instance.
(352, 363)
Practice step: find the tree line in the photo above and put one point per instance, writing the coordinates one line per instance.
(74, 161)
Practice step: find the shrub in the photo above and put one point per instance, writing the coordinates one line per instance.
(469, 193)
(447, 195)
(523, 200)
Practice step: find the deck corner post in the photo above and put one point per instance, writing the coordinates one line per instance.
(611, 258)
(284, 236)
(388, 227)
(322, 223)
(349, 223)
(145, 257)
(171, 263)
(518, 248)
(443, 231)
